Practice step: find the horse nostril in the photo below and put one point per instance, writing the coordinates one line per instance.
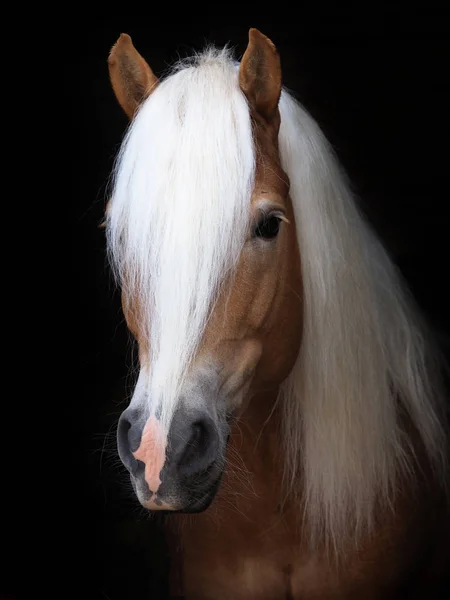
(128, 440)
(200, 436)
(196, 443)
(200, 450)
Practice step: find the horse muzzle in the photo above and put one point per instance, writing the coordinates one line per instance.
(180, 471)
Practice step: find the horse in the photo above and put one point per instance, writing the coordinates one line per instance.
(288, 418)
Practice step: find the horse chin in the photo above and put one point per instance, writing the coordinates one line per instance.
(197, 505)
(200, 505)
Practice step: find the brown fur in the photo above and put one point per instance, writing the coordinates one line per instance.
(131, 77)
(250, 544)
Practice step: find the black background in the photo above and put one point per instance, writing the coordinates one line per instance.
(376, 80)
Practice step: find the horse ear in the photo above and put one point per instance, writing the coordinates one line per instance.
(260, 74)
(131, 77)
(102, 224)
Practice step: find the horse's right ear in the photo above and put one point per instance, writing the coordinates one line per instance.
(131, 77)
(260, 74)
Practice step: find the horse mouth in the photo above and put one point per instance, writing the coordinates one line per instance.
(200, 502)
(197, 504)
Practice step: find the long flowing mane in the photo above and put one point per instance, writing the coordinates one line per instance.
(365, 358)
(176, 225)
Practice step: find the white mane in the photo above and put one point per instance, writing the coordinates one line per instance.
(364, 361)
(177, 223)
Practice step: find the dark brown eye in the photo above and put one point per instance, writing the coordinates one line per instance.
(268, 227)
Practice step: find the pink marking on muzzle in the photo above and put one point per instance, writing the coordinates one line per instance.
(152, 452)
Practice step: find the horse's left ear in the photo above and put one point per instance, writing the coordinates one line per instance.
(131, 77)
(102, 224)
(260, 74)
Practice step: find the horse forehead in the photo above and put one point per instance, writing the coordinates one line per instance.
(270, 179)
(270, 182)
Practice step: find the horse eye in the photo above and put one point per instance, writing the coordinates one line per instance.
(268, 227)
